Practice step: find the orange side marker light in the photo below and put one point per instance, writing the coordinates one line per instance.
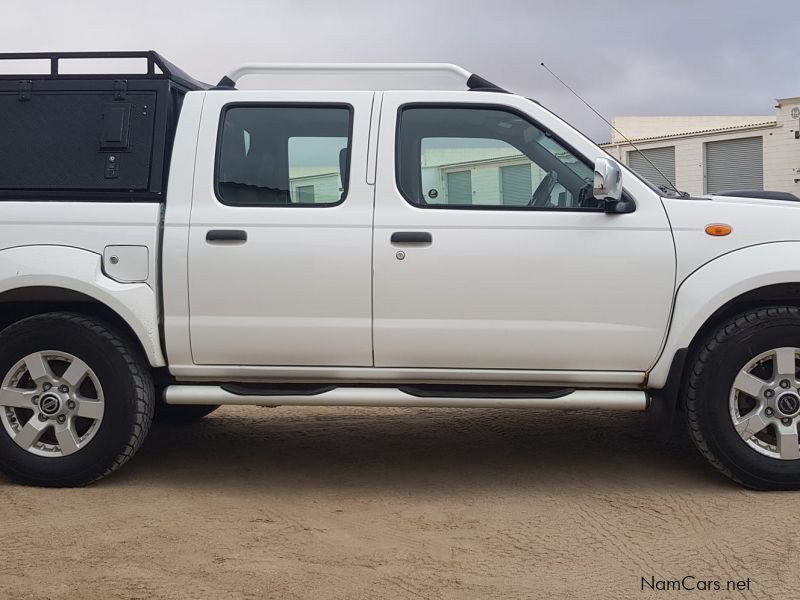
(718, 229)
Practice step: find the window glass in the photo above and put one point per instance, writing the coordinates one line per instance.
(314, 176)
(459, 188)
(305, 194)
(450, 157)
(280, 155)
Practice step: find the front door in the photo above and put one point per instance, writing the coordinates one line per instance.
(280, 231)
(490, 251)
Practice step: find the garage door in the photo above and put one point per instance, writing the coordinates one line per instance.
(663, 158)
(517, 185)
(735, 165)
(459, 187)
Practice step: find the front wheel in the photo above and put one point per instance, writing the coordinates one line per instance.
(76, 400)
(743, 398)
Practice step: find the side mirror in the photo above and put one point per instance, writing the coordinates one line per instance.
(607, 186)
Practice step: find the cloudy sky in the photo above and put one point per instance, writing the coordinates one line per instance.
(627, 57)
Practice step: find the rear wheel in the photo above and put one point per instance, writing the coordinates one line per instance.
(743, 398)
(76, 400)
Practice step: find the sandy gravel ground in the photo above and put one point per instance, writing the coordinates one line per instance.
(399, 503)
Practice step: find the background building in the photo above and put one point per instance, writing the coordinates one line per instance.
(492, 171)
(700, 154)
(708, 154)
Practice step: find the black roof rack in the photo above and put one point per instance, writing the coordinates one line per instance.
(166, 70)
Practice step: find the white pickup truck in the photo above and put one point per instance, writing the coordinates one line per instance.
(167, 247)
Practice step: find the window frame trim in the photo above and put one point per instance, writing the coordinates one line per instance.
(482, 106)
(261, 104)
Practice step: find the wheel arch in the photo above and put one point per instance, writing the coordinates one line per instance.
(787, 293)
(720, 289)
(19, 303)
(38, 279)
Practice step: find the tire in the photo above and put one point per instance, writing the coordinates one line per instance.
(182, 413)
(106, 411)
(737, 381)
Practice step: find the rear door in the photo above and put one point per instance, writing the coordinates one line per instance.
(280, 230)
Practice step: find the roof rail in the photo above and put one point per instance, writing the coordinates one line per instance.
(357, 69)
(166, 69)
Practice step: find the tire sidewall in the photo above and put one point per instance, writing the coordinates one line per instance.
(712, 399)
(44, 333)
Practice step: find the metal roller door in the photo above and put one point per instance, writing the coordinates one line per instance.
(663, 158)
(459, 187)
(517, 185)
(735, 165)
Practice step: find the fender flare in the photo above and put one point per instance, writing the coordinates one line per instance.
(79, 270)
(714, 284)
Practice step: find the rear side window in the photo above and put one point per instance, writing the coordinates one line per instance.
(284, 155)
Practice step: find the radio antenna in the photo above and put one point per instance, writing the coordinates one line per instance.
(622, 135)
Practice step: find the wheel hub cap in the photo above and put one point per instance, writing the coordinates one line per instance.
(49, 404)
(788, 404)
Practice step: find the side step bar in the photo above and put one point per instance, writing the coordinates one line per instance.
(627, 400)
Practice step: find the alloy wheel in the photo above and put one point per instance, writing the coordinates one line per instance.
(51, 403)
(765, 403)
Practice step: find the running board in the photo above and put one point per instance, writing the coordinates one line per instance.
(628, 400)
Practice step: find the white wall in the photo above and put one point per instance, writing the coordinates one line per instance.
(782, 150)
(779, 154)
(486, 185)
(327, 187)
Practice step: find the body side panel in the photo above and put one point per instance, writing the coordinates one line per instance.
(81, 270)
(716, 283)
